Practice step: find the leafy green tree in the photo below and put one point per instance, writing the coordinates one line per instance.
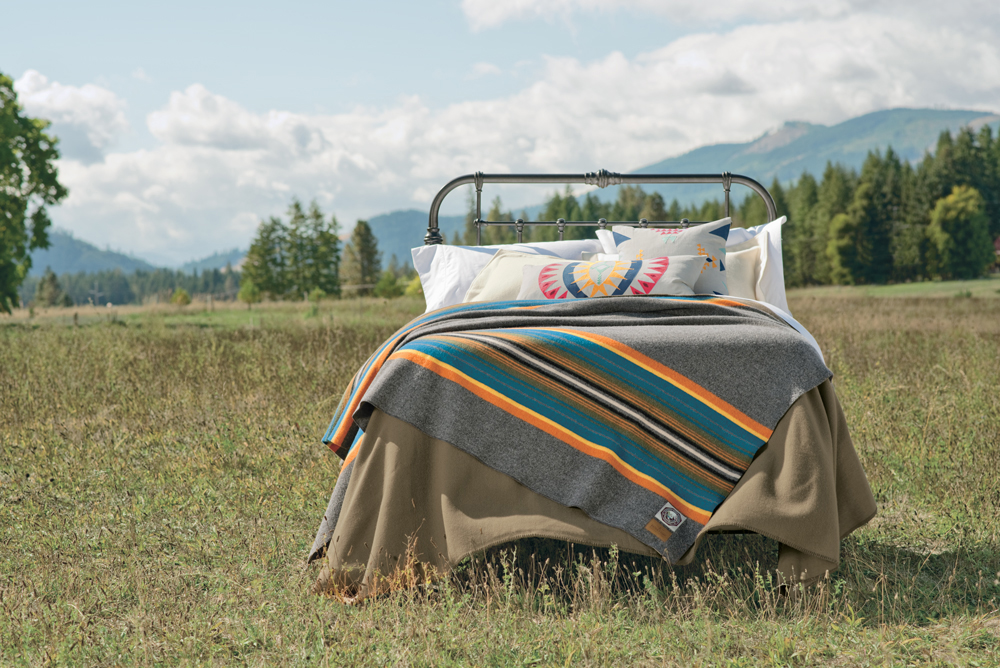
(28, 183)
(362, 261)
(266, 261)
(960, 243)
(389, 285)
(414, 288)
(249, 293)
(180, 297)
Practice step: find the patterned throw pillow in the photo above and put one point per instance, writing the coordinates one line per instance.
(566, 279)
(708, 241)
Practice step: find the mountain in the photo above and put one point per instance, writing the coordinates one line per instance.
(69, 255)
(798, 147)
(215, 261)
(399, 231)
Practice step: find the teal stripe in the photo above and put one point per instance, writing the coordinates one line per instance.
(573, 416)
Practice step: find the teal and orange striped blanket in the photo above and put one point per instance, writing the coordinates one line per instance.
(642, 411)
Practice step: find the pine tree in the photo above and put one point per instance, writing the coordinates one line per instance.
(654, 207)
(499, 234)
(630, 202)
(798, 251)
(324, 252)
(297, 247)
(48, 292)
(362, 264)
(873, 213)
(265, 263)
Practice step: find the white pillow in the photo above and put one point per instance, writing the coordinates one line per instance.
(566, 279)
(446, 272)
(707, 240)
(500, 279)
(770, 284)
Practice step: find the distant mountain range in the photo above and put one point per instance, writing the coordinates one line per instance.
(797, 147)
(782, 154)
(219, 260)
(68, 255)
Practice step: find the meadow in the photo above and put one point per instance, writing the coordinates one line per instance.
(161, 479)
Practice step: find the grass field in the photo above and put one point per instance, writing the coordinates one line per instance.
(161, 479)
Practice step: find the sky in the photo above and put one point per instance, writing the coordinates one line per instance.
(183, 124)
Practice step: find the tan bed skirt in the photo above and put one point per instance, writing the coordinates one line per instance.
(408, 491)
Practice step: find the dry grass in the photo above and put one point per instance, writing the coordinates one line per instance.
(161, 477)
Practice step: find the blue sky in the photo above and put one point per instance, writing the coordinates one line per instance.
(183, 124)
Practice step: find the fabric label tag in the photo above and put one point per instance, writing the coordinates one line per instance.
(670, 517)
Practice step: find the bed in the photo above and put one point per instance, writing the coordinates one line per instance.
(641, 390)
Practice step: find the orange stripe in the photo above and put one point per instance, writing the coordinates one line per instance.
(677, 380)
(677, 425)
(555, 430)
(555, 388)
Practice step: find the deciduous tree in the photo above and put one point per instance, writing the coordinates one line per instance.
(28, 183)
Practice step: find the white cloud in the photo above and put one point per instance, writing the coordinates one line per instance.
(140, 74)
(87, 119)
(485, 14)
(218, 164)
(484, 69)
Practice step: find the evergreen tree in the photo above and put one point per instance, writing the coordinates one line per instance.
(265, 262)
(499, 234)
(593, 208)
(960, 243)
(324, 256)
(362, 264)
(631, 200)
(49, 292)
(796, 234)
(654, 207)
(873, 212)
(297, 250)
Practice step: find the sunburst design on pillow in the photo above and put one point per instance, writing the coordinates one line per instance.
(608, 278)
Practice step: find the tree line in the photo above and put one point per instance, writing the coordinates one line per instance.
(113, 286)
(892, 222)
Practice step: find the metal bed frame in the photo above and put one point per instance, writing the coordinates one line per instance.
(601, 179)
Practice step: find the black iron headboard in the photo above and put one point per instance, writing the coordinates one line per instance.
(601, 179)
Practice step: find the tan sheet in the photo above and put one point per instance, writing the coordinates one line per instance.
(414, 495)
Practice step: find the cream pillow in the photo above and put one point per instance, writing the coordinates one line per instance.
(742, 269)
(567, 279)
(500, 279)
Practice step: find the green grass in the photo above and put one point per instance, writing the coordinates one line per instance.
(987, 288)
(161, 479)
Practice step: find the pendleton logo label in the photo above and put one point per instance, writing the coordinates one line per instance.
(670, 517)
